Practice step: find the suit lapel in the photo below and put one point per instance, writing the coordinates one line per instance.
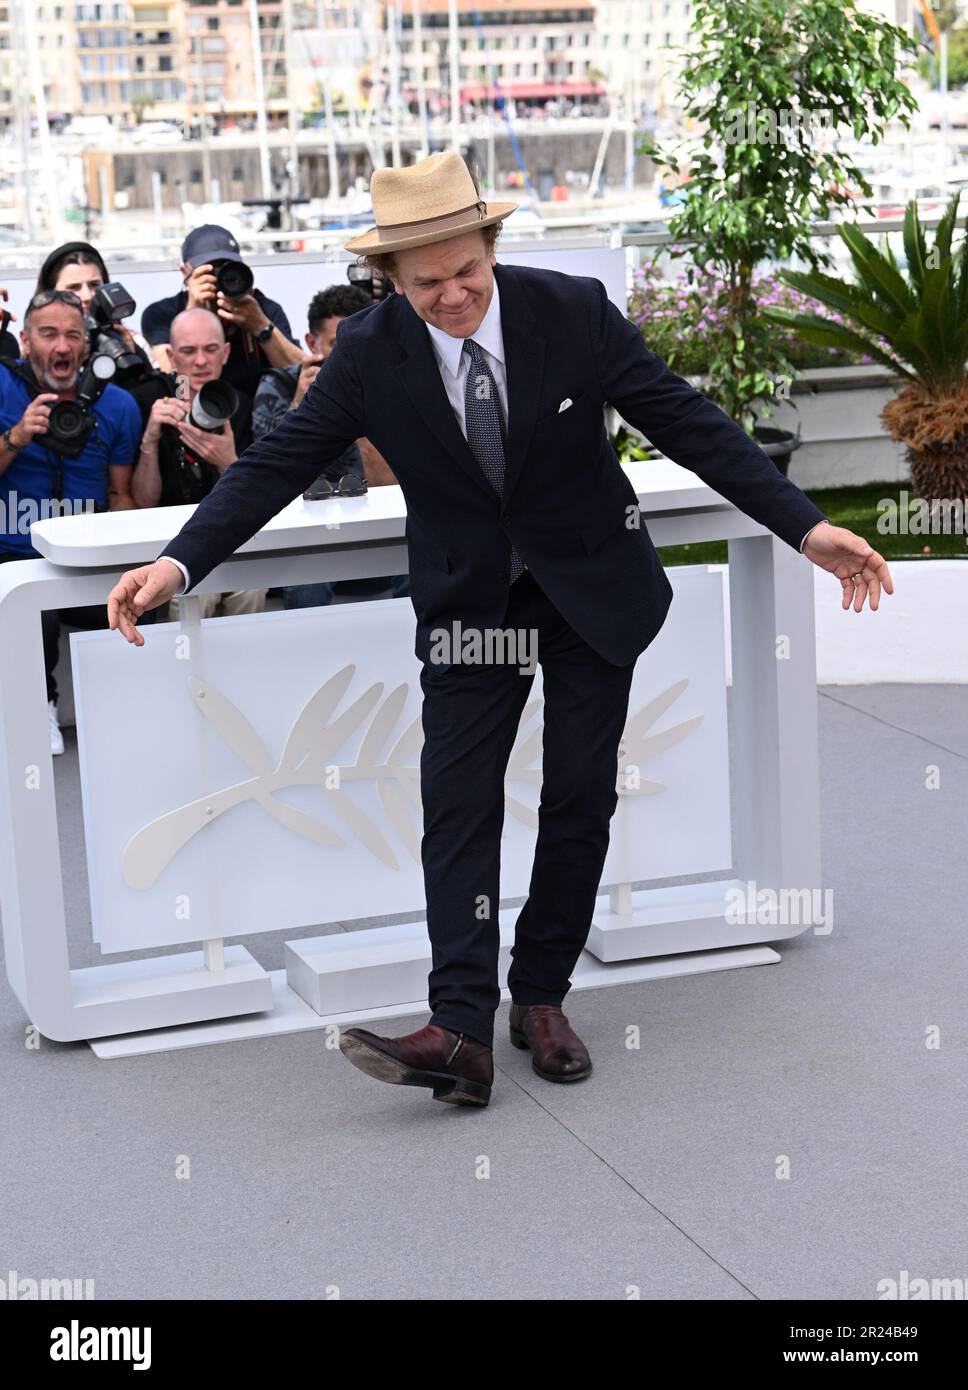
(524, 355)
(524, 364)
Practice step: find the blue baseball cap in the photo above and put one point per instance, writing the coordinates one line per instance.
(209, 243)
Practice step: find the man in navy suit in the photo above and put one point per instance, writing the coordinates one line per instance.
(486, 385)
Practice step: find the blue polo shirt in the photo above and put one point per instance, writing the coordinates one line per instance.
(37, 474)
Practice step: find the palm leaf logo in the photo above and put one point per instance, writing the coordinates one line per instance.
(319, 733)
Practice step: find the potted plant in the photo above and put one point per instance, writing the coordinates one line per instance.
(771, 84)
(916, 323)
(684, 324)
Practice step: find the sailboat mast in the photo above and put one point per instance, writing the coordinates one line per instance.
(260, 101)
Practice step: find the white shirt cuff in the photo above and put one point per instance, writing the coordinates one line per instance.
(172, 561)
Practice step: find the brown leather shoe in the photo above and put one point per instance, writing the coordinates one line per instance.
(458, 1067)
(559, 1053)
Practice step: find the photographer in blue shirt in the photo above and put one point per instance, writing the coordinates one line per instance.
(38, 478)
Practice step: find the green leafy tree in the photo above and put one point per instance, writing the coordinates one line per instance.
(770, 84)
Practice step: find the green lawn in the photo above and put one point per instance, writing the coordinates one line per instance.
(853, 507)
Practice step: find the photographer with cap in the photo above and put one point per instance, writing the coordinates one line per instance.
(180, 462)
(256, 327)
(37, 479)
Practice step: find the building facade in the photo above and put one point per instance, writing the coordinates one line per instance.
(185, 60)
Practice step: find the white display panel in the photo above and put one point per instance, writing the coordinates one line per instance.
(192, 833)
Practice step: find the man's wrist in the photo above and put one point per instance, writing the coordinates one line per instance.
(824, 522)
(16, 441)
(185, 585)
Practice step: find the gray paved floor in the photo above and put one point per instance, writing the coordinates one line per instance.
(659, 1172)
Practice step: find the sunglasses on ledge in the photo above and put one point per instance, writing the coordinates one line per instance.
(350, 485)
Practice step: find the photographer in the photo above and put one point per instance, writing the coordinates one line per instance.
(180, 462)
(9, 347)
(79, 267)
(37, 477)
(256, 327)
(282, 390)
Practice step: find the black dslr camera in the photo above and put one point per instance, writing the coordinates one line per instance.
(71, 423)
(111, 304)
(361, 278)
(233, 279)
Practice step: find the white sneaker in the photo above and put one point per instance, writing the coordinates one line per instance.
(56, 737)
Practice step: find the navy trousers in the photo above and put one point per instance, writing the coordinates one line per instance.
(470, 721)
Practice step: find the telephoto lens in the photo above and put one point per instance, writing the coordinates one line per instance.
(215, 403)
(233, 279)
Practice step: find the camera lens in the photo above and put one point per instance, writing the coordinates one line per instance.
(233, 279)
(67, 421)
(215, 403)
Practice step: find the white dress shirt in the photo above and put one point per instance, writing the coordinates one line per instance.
(454, 364)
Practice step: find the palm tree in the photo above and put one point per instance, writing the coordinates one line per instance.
(915, 323)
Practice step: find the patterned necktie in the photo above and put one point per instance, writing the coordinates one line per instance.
(486, 430)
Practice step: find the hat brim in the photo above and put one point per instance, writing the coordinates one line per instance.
(377, 239)
(211, 257)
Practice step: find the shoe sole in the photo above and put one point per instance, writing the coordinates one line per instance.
(520, 1040)
(458, 1090)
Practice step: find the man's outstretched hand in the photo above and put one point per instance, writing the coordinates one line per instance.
(139, 590)
(861, 571)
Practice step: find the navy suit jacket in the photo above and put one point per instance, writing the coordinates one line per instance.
(567, 502)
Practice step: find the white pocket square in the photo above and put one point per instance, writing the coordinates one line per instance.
(565, 404)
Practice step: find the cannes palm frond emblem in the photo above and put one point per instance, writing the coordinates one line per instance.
(317, 736)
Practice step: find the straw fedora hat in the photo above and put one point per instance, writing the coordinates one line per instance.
(428, 201)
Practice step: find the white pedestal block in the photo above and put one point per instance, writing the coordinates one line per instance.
(347, 971)
(375, 969)
(165, 990)
(666, 921)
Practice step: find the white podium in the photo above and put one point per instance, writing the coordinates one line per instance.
(761, 831)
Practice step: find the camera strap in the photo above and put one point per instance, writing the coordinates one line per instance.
(25, 373)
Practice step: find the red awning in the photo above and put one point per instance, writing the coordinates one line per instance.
(481, 91)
